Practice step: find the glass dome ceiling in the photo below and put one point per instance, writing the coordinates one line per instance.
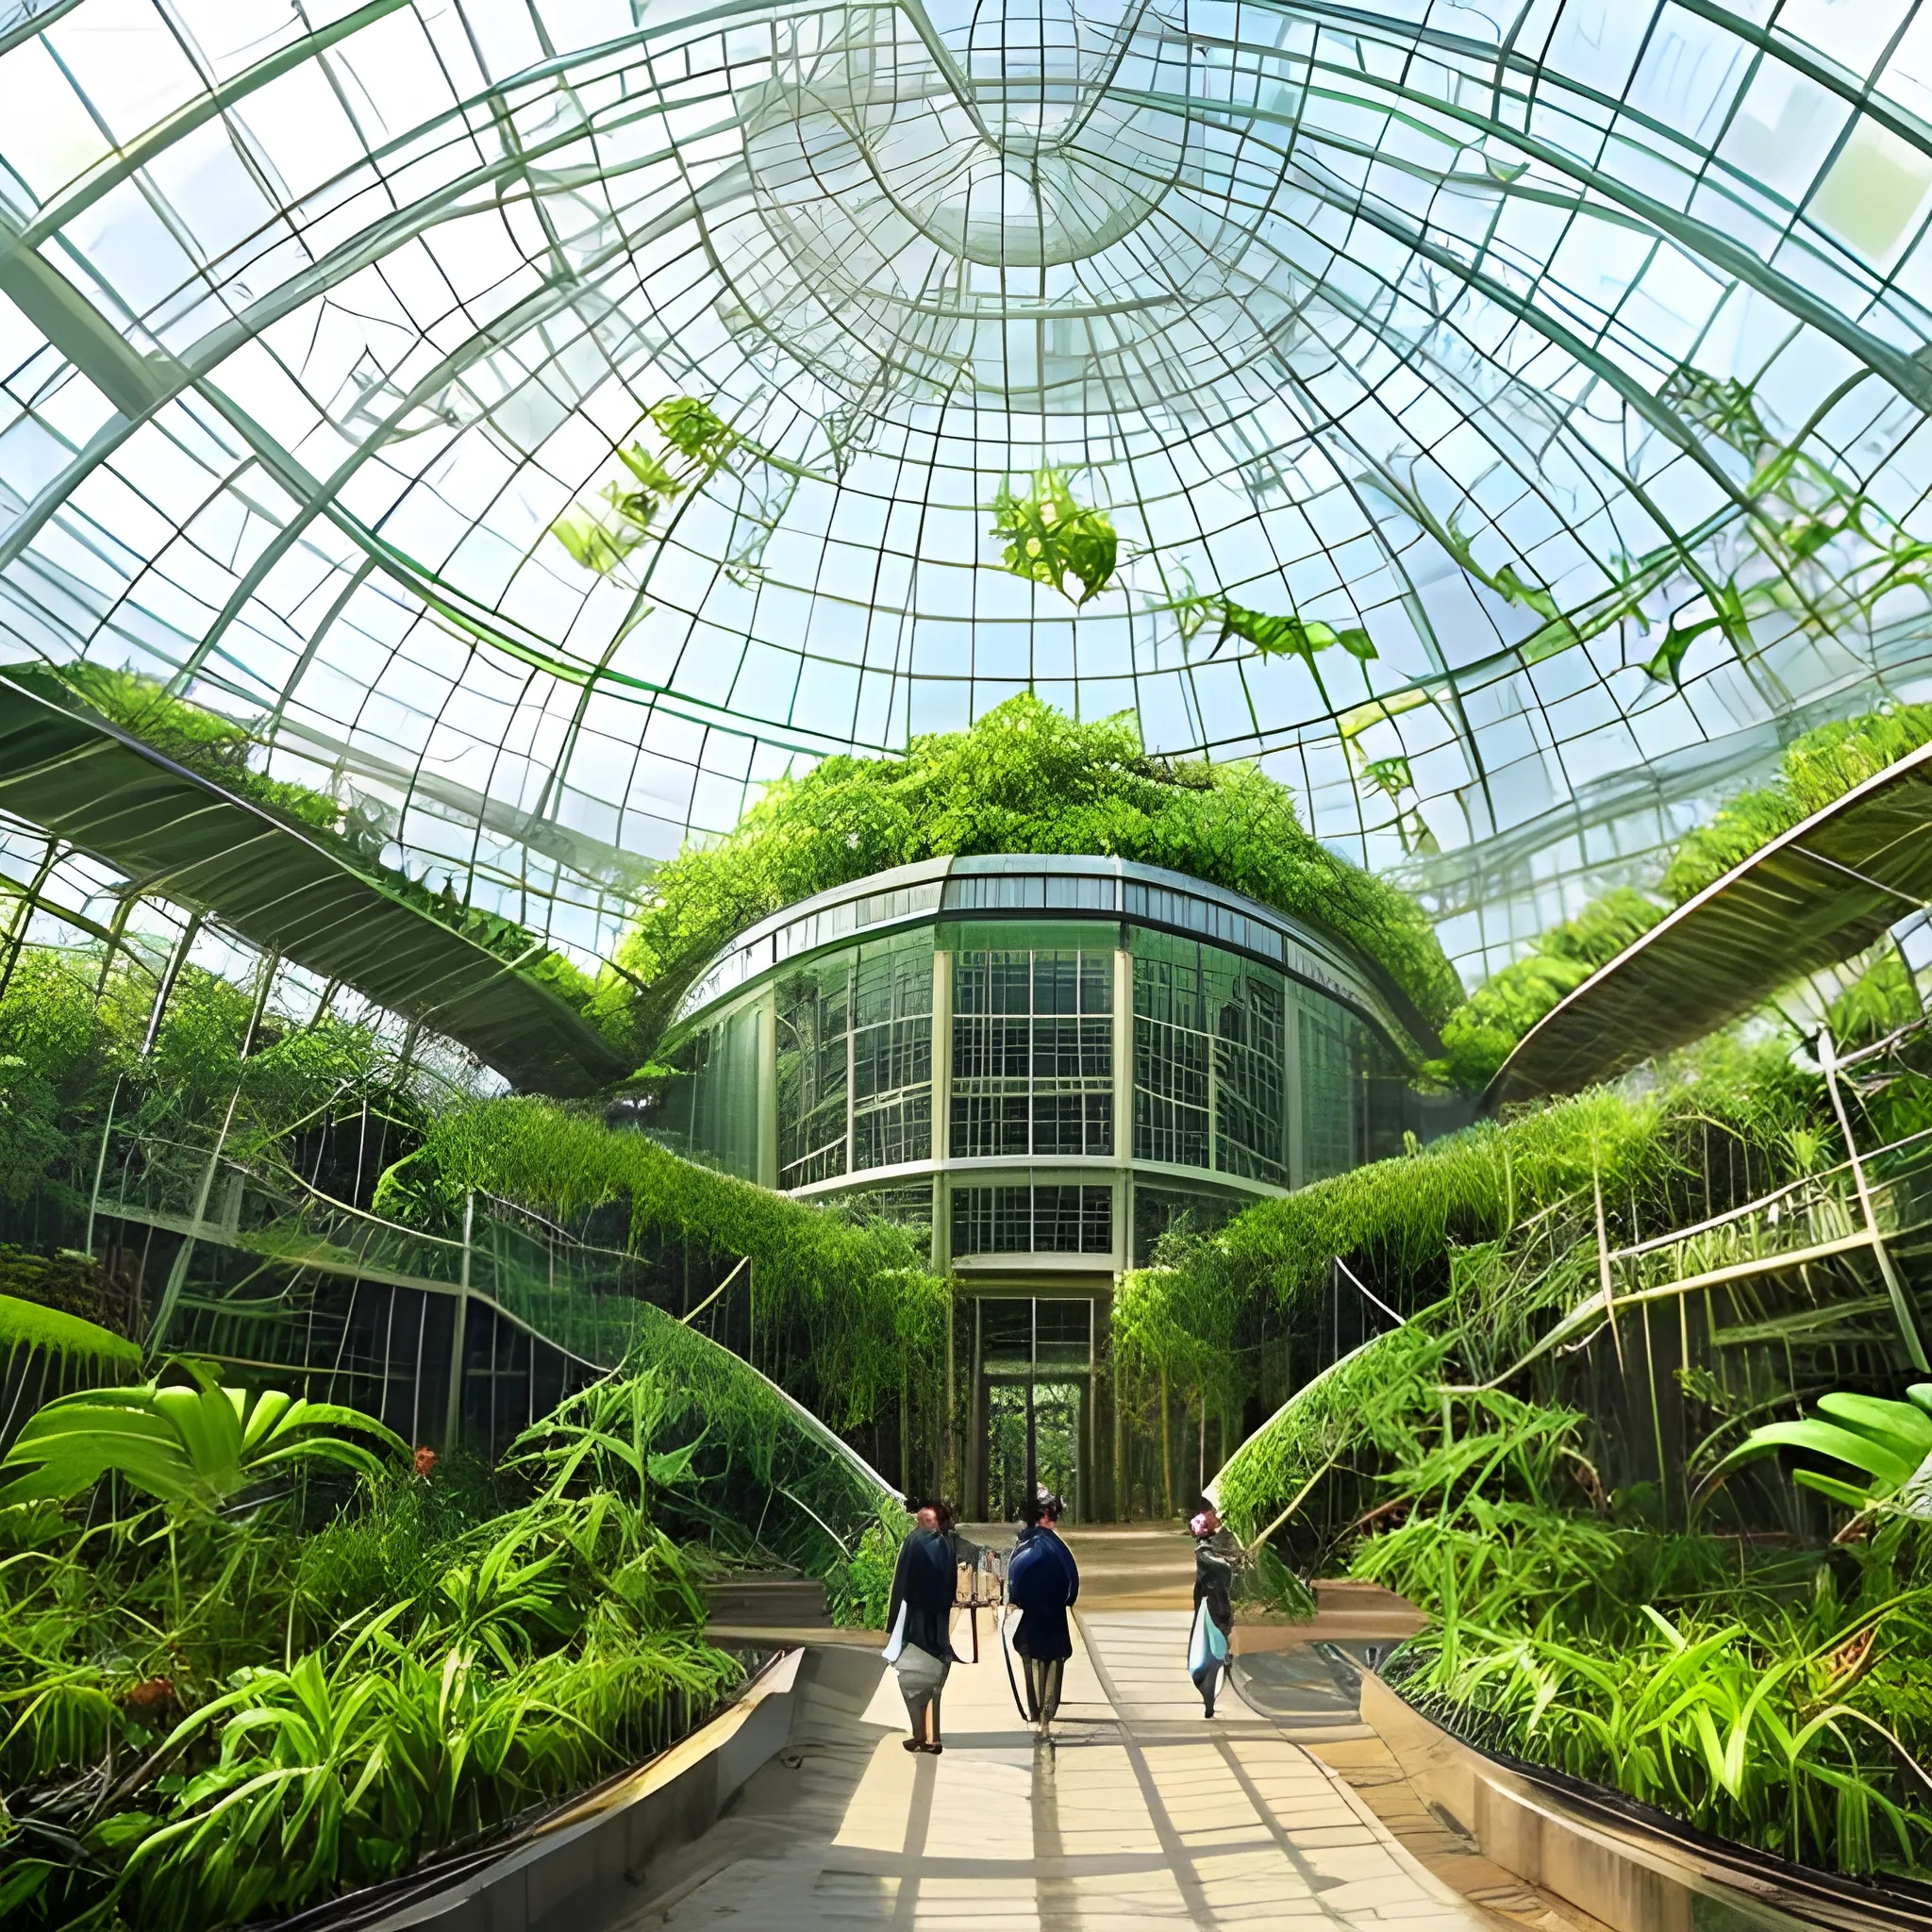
(556, 419)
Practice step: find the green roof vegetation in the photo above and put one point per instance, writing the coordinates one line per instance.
(1816, 769)
(1025, 778)
(219, 749)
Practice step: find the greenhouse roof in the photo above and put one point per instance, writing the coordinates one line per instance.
(1063, 888)
(1812, 897)
(1505, 424)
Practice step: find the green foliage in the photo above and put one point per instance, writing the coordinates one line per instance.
(861, 1590)
(717, 1453)
(216, 747)
(1290, 637)
(27, 1324)
(69, 1282)
(1817, 768)
(1478, 1036)
(1430, 1221)
(1025, 778)
(249, 1715)
(66, 1054)
(694, 430)
(600, 538)
(861, 1292)
(194, 1448)
(1888, 1443)
(1051, 536)
(1768, 1693)
(1764, 1699)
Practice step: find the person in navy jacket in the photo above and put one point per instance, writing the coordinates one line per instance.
(1043, 1583)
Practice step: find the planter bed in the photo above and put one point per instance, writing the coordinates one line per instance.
(1632, 1867)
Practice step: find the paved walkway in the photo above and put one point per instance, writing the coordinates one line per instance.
(1142, 1812)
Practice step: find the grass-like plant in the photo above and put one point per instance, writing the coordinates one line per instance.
(272, 1706)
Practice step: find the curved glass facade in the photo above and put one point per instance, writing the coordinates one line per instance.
(1048, 1060)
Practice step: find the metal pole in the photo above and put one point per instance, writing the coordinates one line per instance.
(1901, 1303)
(16, 934)
(460, 1337)
(171, 972)
(100, 1167)
(1032, 1370)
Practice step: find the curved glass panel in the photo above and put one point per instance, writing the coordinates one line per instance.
(543, 424)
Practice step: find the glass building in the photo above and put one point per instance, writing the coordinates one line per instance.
(1051, 1059)
(1051, 1062)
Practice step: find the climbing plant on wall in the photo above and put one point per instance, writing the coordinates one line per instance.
(860, 1292)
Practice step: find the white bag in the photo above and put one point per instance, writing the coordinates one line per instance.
(1207, 1644)
(896, 1643)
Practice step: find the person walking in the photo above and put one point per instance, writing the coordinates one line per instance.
(1213, 1626)
(919, 1614)
(1044, 1584)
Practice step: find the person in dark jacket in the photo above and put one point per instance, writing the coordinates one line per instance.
(1043, 1583)
(1213, 1625)
(919, 1614)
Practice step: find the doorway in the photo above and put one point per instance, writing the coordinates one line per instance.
(1033, 1370)
(1055, 1425)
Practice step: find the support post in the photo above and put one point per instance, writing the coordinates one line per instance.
(1903, 1311)
(461, 1332)
(183, 1255)
(16, 934)
(170, 973)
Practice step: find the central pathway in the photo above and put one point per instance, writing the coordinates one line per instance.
(1141, 1812)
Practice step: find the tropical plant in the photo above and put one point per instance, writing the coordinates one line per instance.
(253, 1715)
(1888, 1443)
(1291, 635)
(1051, 535)
(194, 1447)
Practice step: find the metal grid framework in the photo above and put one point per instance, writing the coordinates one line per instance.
(1210, 1059)
(1507, 419)
(1033, 1218)
(854, 1061)
(64, 899)
(1032, 1052)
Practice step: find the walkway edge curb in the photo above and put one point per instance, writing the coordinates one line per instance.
(592, 1855)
